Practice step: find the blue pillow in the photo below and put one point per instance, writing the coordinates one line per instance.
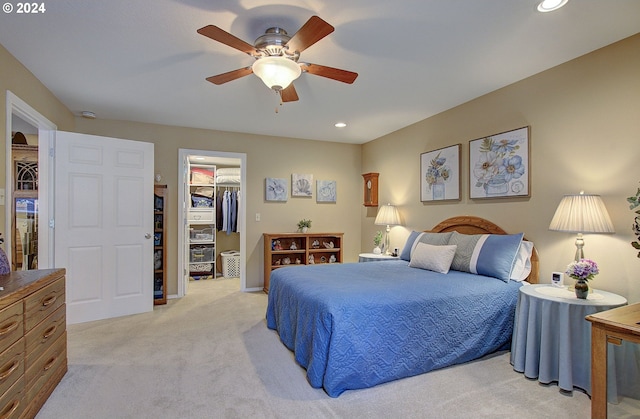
(486, 254)
(435, 239)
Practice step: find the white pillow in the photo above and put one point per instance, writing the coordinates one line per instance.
(433, 258)
(522, 265)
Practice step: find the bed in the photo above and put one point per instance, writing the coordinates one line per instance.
(357, 325)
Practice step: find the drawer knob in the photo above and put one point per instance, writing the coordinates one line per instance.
(50, 331)
(6, 371)
(49, 300)
(8, 329)
(50, 363)
(10, 409)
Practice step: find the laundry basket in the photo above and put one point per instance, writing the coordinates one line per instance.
(230, 264)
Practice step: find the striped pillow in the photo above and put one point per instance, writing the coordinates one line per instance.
(436, 239)
(486, 254)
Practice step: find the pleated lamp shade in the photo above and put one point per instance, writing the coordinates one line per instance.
(581, 213)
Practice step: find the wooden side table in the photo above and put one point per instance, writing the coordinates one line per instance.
(612, 326)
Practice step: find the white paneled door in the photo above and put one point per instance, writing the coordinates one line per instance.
(104, 225)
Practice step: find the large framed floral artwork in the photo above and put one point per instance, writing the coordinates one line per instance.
(440, 174)
(499, 165)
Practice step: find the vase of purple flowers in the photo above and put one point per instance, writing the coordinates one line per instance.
(582, 271)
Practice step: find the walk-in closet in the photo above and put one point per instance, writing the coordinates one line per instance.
(212, 218)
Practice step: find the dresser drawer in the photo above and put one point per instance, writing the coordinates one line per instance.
(13, 402)
(47, 366)
(11, 325)
(44, 334)
(41, 303)
(11, 365)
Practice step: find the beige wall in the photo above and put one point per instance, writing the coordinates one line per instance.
(266, 157)
(585, 135)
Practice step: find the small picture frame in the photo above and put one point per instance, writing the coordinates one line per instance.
(499, 165)
(276, 189)
(326, 191)
(440, 174)
(301, 185)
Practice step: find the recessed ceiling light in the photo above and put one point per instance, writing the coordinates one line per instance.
(340, 125)
(551, 5)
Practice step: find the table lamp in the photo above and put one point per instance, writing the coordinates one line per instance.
(387, 215)
(580, 214)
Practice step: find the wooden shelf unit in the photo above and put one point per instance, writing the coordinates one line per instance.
(159, 244)
(308, 248)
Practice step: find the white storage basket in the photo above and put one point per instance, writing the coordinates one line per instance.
(230, 264)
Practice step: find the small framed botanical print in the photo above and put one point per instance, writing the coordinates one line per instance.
(440, 174)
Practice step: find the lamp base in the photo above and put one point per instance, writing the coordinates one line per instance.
(387, 246)
(579, 248)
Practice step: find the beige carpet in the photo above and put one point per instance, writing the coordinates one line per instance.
(210, 355)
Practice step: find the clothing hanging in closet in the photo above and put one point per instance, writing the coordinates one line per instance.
(227, 211)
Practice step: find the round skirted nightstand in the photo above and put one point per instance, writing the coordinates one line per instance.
(551, 338)
(373, 257)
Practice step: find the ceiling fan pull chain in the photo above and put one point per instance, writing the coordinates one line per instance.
(279, 93)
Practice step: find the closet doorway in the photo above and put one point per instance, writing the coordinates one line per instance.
(205, 177)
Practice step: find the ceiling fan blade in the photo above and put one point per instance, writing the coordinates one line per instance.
(289, 94)
(230, 76)
(311, 32)
(329, 72)
(217, 34)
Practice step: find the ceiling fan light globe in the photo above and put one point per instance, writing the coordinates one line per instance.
(551, 5)
(276, 72)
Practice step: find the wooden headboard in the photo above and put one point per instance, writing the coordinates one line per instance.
(468, 224)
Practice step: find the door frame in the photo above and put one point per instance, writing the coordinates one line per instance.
(46, 135)
(182, 213)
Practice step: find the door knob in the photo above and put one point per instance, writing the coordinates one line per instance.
(147, 236)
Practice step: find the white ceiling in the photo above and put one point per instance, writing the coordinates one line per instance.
(143, 61)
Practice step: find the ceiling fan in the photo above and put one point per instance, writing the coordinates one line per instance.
(277, 55)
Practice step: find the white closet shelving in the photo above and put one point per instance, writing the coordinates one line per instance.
(202, 221)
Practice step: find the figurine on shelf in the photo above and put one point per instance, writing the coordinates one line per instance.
(315, 244)
(277, 262)
(293, 246)
(286, 261)
(311, 260)
(276, 245)
(328, 245)
(298, 261)
(332, 259)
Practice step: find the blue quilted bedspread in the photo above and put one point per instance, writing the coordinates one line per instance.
(356, 325)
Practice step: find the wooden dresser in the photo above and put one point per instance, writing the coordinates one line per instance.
(33, 339)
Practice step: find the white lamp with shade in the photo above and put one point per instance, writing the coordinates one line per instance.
(388, 215)
(581, 213)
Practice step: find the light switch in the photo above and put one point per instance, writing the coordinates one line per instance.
(1, 196)
(257, 216)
